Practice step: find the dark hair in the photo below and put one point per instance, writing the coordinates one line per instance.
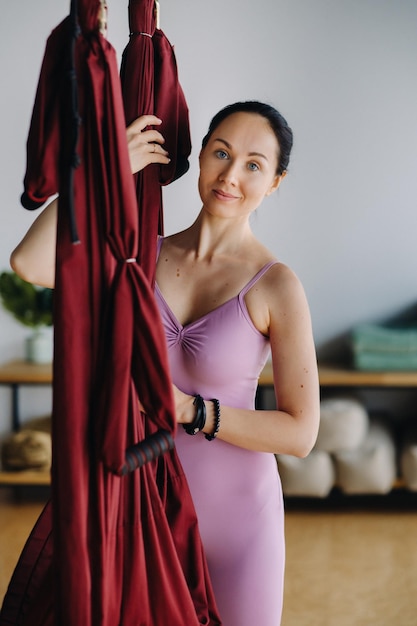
(277, 122)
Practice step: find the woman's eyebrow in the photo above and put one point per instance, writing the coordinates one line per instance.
(228, 145)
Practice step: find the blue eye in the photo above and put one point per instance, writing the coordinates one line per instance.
(253, 167)
(221, 154)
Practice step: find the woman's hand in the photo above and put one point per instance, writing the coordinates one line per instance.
(145, 144)
(184, 407)
(185, 410)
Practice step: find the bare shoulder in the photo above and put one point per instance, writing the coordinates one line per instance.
(280, 286)
(166, 243)
(177, 240)
(277, 299)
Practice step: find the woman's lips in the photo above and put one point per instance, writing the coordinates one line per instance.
(223, 195)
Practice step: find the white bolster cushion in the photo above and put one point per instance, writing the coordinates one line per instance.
(344, 423)
(313, 476)
(371, 468)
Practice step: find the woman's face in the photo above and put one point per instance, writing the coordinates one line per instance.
(238, 166)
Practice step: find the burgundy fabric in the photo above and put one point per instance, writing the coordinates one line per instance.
(150, 86)
(171, 107)
(29, 590)
(42, 146)
(109, 551)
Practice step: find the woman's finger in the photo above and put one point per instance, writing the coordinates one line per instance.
(156, 147)
(140, 123)
(144, 154)
(144, 138)
(145, 144)
(152, 136)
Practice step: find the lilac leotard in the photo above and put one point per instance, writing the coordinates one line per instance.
(237, 493)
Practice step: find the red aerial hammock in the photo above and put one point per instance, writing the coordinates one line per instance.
(114, 546)
(150, 86)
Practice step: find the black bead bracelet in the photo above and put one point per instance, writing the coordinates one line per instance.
(200, 417)
(213, 435)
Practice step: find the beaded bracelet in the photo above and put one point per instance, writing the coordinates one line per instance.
(199, 420)
(213, 435)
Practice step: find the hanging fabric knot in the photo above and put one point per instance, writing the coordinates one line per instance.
(131, 260)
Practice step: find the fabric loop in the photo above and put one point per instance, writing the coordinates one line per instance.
(138, 33)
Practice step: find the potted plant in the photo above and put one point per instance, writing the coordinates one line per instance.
(31, 306)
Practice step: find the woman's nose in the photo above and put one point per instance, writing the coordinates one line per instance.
(229, 173)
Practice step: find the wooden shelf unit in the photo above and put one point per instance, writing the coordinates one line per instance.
(21, 373)
(334, 376)
(24, 478)
(25, 373)
(16, 374)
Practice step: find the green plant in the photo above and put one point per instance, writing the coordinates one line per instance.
(30, 305)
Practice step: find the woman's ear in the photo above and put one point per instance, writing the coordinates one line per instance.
(276, 183)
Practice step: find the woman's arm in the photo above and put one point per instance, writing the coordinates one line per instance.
(34, 257)
(293, 428)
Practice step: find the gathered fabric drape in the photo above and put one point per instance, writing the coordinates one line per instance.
(113, 546)
(152, 87)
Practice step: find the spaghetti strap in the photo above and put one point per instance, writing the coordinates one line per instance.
(257, 277)
(159, 246)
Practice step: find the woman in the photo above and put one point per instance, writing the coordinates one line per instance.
(226, 303)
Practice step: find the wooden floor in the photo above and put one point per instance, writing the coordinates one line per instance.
(350, 565)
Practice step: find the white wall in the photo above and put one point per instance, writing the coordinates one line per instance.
(341, 71)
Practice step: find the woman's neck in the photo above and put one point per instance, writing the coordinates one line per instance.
(210, 236)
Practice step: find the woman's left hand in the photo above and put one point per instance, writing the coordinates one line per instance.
(184, 407)
(145, 144)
